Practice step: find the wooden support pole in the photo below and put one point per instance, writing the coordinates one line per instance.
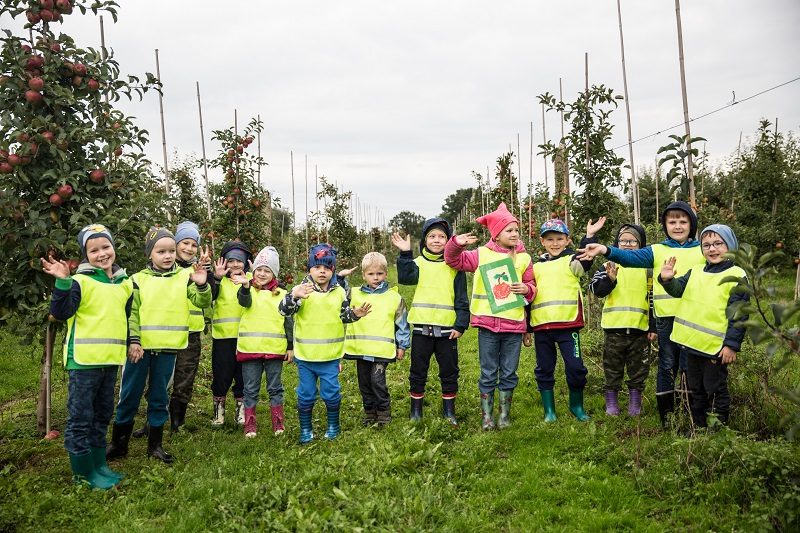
(544, 157)
(689, 164)
(634, 184)
(205, 162)
(163, 129)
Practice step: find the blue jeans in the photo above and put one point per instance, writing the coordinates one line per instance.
(156, 368)
(671, 356)
(499, 357)
(327, 373)
(90, 404)
(251, 374)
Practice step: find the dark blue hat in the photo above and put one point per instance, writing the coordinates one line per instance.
(322, 254)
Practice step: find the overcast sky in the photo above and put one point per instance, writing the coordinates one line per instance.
(400, 101)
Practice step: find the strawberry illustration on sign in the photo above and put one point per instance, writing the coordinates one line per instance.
(502, 289)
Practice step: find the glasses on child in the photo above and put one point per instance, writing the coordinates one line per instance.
(709, 245)
(629, 242)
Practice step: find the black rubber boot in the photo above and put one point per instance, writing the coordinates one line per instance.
(120, 435)
(142, 431)
(154, 448)
(449, 410)
(666, 405)
(416, 409)
(176, 408)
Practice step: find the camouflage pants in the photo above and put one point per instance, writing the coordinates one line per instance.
(186, 364)
(626, 349)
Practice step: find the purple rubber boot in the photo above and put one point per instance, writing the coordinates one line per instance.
(612, 407)
(635, 402)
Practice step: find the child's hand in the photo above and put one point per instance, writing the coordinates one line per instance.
(591, 251)
(135, 353)
(652, 336)
(346, 272)
(400, 354)
(340, 366)
(404, 245)
(302, 291)
(668, 270)
(205, 257)
(289, 356)
(728, 355)
(56, 268)
(611, 270)
(454, 334)
(527, 339)
(519, 288)
(200, 274)
(593, 229)
(465, 239)
(362, 311)
(221, 268)
(241, 279)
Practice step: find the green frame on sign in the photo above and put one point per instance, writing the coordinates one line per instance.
(508, 264)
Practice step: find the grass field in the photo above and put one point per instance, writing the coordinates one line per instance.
(607, 474)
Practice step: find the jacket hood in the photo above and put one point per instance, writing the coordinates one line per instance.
(428, 225)
(686, 208)
(633, 228)
(237, 245)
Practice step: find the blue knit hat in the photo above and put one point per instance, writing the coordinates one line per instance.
(90, 232)
(725, 232)
(322, 254)
(554, 224)
(187, 230)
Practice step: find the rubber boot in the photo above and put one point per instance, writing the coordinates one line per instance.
(333, 422)
(635, 402)
(277, 419)
(505, 409)
(666, 405)
(154, 448)
(306, 431)
(83, 471)
(487, 411)
(240, 411)
(576, 404)
(612, 403)
(382, 418)
(174, 415)
(549, 405)
(141, 432)
(449, 410)
(370, 417)
(416, 408)
(250, 422)
(120, 436)
(219, 412)
(101, 466)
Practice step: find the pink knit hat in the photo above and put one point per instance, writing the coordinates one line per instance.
(497, 220)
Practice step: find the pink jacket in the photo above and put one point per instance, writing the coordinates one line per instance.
(467, 260)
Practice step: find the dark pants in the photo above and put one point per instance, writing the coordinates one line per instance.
(708, 388)
(671, 357)
(626, 349)
(154, 368)
(186, 364)
(226, 369)
(499, 357)
(446, 351)
(90, 404)
(372, 384)
(252, 370)
(568, 342)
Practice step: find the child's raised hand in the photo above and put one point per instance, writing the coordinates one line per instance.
(402, 244)
(135, 353)
(200, 274)
(593, 229)
(302, 291)
(346, 272)
(465, 239)
(205, 257)
(611, 270)
(668, 270)
(363, 310)
(56, 268)
(241, 279)
(591, 251)
(221, 267)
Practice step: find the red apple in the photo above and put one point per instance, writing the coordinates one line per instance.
(47, 4)
(26, 49)
(65, 191)
(55, 48)
(47, 15)
(79, 69)
(240, 149)
(64, 6)
(36, 84)
(23, 137)
(118, 152)
(77, 81)
(231, 153)
(33, 17)
(97, 175)
(93, 84)
(6, 168)
(14, 160)
(49, 136)
(33, 149)
(116, 126)
(34, 63)
(56, 200)
(33, 97)
(779, 245)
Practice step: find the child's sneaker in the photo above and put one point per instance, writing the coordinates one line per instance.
(382, 418)
(250, 422)
(370, 417)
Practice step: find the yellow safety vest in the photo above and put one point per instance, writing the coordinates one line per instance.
(98, 331)
(163, 310)
(433, 299)
(665, 305)
(558, 292)
(701, 320)
(627, 305)
(479, 305)
(373, 335)
(196, 317)
(318, 327)
(261, 329)
(227, 313)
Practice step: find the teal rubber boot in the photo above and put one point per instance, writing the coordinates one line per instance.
(83, 472)
(549, 404)
(333, 422)
(576, 404)
(100, 464)
(306, 431)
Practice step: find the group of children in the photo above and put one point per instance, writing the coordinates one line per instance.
(151, 322)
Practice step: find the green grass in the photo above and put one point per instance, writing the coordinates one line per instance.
(608, 474)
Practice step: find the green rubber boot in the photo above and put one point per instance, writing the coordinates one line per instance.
(100, 464)
(576, 404)
(549, 404)
(83, 472)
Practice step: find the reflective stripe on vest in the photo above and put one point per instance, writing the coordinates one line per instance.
(98, 330)
(433, 299)
(701, 320)
(318, 327)
(373, 335)
(261, 327)
(226, 312)
(665, 305)
(163, 310)
(479, 305)
(558, 292)
(627, 305)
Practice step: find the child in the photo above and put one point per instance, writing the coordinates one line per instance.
(702, 326)
(264, 339)
(680, 225)
(626, 322)
(321, 309)
(158, 330)
(499, 333)
(225, 330)
(378, 338)
(557, 314)
(95, 303)
(439, 313)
